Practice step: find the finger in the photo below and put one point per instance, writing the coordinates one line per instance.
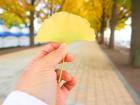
(56, 56)
(45, 50)
(67, 86)
(65, 76)
(68, 58)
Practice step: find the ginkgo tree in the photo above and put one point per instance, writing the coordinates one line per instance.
(101, 14)
(114, 15)
(28, 10)
(121, 11)
(13, 18)
(89, 9)
(105, 17)
(12, 13)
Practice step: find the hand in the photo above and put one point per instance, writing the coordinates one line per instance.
(40, 78)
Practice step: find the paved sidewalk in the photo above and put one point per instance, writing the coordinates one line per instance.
(97, 81)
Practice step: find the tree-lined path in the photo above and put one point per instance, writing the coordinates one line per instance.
(97, 80)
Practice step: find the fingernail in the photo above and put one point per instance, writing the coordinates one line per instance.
(63, 45)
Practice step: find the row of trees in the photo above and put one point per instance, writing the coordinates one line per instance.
(102, 14)
(26, 11)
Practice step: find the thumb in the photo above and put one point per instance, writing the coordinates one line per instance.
(56, 56)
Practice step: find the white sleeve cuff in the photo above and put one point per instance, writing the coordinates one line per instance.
(21, 98)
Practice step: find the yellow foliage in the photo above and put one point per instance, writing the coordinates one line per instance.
(91, 10)
(63, 27)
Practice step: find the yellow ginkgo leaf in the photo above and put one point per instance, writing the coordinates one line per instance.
(63, 27)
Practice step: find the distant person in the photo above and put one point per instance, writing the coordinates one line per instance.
(38, 84)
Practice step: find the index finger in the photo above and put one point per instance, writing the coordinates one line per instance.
(46, 50)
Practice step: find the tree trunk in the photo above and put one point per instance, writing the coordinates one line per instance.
(111, 39)
(51, 7)
(31, 27)
(97, 35)
(102, 27)
(61, 6)
(113, 25)
(135, 39)
(102, 32)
